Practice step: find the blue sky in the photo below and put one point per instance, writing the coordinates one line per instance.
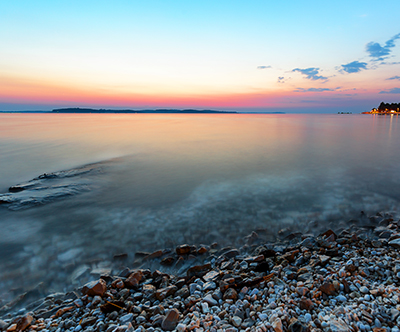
(256, 55)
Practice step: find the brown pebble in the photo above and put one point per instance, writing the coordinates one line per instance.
(155, 254)
(328, 288)
(306, 304)
(230, 293)
(162, 293)
(202, 250)
(167, 260)
(170, 321)
(184, 249)
(134, 279)
(24, 322)
(94, 288)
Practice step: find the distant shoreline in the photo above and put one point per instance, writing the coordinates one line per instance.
(78, 110)
(163, 111)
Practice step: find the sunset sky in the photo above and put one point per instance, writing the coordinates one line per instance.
(294, 56)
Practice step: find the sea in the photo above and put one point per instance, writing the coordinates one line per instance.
(88, 194)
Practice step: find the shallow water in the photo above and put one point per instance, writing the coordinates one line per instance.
(163, 180)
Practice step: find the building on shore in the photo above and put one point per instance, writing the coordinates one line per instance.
(385, 108)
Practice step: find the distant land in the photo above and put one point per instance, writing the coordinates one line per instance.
(92, 110)
(149, 111)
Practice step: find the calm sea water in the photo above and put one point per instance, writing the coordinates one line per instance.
(163, 180)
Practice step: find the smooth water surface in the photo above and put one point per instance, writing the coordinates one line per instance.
(163, 180)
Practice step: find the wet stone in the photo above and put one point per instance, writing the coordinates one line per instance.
(94, 288)
(209, 286)
(167, 261)
(126, 318)
(88, 321)
(210, 300)
(165, 292)
(328, 288)
(325, 287)
(211, 276)
(338, 325)
(183, 249)
(170, 321)
(24, 322)
(230, 293)
(134, 279)
(237, 321)
(297, 326)
(395, 243)
(231, 253)
(306, 304)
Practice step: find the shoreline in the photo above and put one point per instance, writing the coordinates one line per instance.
(343, 281)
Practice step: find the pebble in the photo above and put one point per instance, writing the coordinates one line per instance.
(297, 288)
(126, 319)
(237, 321)
(170, 321)
(210, 300)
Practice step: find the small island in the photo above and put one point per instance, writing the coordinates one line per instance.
(385, 108)
(157, 111)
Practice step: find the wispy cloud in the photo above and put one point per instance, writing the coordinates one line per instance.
(264, 67)
(314, 90)
(354, 67)
(393, 78)
(281, 79)
(311, 73)
(378, 52)
(390, 63)
(391, 91)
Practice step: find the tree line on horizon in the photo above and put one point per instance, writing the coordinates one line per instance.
(389, 106)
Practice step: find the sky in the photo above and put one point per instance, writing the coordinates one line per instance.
(293, 56)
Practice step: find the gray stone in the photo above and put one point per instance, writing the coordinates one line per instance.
(204, 308)
(180, 328)
(111, 328)
(395, 243)
(231, 253)
(308, 242)
(88, 321)
(210, 300)
(263, 316)
(126, 319)
(3, 324)
(209, 286)
(338, 325)
(341, 298)
(236, 321)
(394, 313)
(211, 276)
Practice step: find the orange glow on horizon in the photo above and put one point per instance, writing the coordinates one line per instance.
(44, 92)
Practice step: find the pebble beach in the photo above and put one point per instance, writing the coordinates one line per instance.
(342, 280)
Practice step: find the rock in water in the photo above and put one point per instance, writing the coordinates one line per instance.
(184, 249)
